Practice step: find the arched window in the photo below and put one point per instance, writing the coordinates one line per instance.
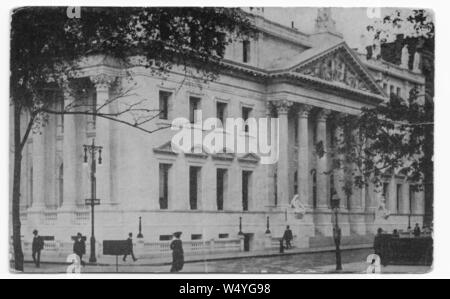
(61, 184)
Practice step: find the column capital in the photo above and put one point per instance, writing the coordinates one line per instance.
(269, 108)
(102, 81)
(304, 110)
(322, 114)
(283, 106)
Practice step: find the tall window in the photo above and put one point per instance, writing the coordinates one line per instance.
(399, 92)
(385, 87)
(164, 186)
(391, 90)
(194, 105)
(246, 185)
(275, 189)
(94, 110)
(386, 194)
(31, 186)
(221, 112)
(399, 197)
(164, 98)
(246, 51)
(246, 113)
(221, 184)
(194, 187)
(60, 119)
(61, 184)
(296, 182)
(314, 189)
(412, 194)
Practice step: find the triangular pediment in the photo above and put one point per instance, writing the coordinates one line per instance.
(338, 66)
(249, 158)
(224, 155)
(166, 149)
(197, 151)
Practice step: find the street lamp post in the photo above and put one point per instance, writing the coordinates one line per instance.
(93, 201)
(337, 233)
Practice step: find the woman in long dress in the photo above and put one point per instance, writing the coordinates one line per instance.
(177, 253)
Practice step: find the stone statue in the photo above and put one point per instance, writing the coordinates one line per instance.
(405, 57)
(324, 21)
(382, 211)
(416, 64)
(376, 49)
(298, 206)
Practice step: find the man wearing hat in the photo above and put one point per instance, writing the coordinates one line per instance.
(130, 248)
(177, 253)
(79, 247)
(37, 246)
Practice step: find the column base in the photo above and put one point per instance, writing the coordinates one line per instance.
(323, 222)
(369, 219)
(344, 222)
(357, 223)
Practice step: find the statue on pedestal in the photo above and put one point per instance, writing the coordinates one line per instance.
(405, 57)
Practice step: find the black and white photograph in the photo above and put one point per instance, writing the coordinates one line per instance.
(220, 139)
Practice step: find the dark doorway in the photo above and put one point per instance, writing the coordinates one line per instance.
(248, 238)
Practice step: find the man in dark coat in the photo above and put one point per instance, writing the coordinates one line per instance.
(177, 253)
(130, 248)
(417, 231)
(79, 247)
(288, 237)
(37, 247)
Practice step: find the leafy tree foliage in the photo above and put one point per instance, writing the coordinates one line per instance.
(397, 136)
(47, 47)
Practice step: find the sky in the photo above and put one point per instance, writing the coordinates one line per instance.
(351, 22)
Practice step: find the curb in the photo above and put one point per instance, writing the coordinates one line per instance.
(212, 259)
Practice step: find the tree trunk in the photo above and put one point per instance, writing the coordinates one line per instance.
(17, 242)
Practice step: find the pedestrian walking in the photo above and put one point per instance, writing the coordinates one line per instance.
(288, 237)
(177, 253)
(130, 248)
(79, 247)
(37, 247)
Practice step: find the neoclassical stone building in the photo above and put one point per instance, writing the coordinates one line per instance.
(296, 77)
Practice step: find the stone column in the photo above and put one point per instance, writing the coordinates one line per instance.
(70, 157)
(322, 213)
(322, 162)
(270, 168)
(418, 207)
(392, 194)
(339, 180)
(283, 148)
(370, 209)
(405, 204)
(103, 137)
(39, 171)
(303, 156)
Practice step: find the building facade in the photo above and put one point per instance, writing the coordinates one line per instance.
(224, 201)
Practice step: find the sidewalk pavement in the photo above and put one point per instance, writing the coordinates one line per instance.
(360, 268)
(207, 257)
